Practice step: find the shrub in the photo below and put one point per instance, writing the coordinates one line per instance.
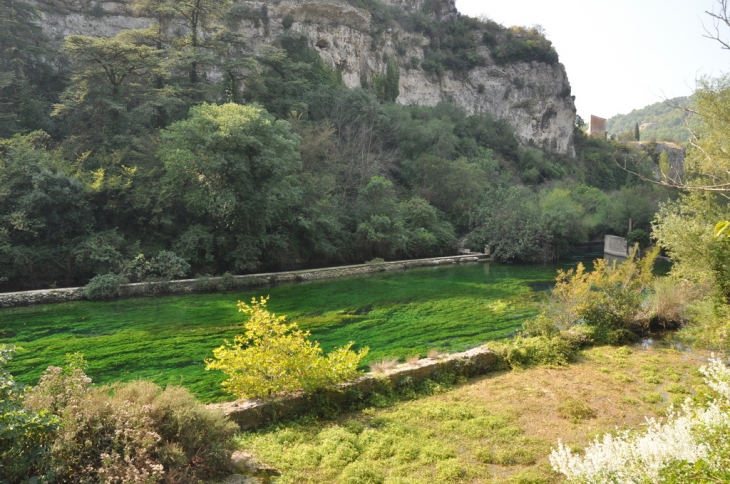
(167, 266)
(103, 286)
(638, 236)
(384, 365)
(25, 435)
(668, 304)
(275, 357)
(524, 352)
(610, 299)
(130, 432)
(575, 410)
(287, 21)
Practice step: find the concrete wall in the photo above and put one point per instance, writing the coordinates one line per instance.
(614, 245)
(254, 413)
(49, 296)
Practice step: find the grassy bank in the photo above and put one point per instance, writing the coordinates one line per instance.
(498, 428)
(166, 339)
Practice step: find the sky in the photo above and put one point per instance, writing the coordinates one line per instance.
(620, 55)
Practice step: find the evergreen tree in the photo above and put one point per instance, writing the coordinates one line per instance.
(392, 79)
(637, 134)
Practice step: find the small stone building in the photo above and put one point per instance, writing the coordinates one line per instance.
(597, 127)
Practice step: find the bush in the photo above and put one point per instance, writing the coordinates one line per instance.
(25, 435)
(524, 352)
(638, 236)
(610, 299)
(669, 302)
(102, 287)
(275, 357)
(167, 266)
(130, 432)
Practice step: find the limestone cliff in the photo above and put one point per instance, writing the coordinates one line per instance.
(533, 97)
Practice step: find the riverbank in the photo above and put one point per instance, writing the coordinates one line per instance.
(497, 428)
(210, 284)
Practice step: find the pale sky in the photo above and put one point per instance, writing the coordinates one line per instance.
(620, 55)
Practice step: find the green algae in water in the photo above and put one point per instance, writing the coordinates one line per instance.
(166, 339)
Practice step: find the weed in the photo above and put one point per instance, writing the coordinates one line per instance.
(652, 397)
(450, 470)
(384, 365)
(575, 410)
(677, 388)
(412, 360)
(622, 377)
(433, 353)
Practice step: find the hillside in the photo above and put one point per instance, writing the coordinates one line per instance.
(663, 121)
(512, 74)
(237, 136)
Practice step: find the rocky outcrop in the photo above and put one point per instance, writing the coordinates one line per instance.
(533, 97)
(675, 155)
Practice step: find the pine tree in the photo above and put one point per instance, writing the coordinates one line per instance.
(392, 79)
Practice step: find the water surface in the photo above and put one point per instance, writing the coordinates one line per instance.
(166, 339)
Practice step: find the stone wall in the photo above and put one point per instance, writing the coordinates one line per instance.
(48, 296)
(254, 413)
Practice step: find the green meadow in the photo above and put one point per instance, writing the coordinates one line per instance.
(166, 339)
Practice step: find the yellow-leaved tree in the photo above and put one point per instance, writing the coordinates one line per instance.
(275, 356)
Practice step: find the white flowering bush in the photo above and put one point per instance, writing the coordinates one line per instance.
(690, 445)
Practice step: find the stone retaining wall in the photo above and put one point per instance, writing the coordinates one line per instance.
(48, 296)
(251, 414)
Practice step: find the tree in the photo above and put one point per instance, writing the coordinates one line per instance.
(112, 78)
(27, 80)
(510, 221)
(198, 15)
(233, 168)
(391, 89)
(275, 356)
(44, 213)
(637, 133)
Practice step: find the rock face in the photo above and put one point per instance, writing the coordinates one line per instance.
(533, 97)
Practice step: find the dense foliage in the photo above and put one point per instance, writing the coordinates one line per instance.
(662, 121)
(66, 430)
(130, 154)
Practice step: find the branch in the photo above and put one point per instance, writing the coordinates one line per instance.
(718, 19)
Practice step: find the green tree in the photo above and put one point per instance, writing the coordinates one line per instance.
(234, 169)
(381, 232)
(112, 82)
(391, 89)
(275, 356)
(563, 219)
(198, 16)
(510, 221)
(637, 133)
(44, 214)
(28, 82)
